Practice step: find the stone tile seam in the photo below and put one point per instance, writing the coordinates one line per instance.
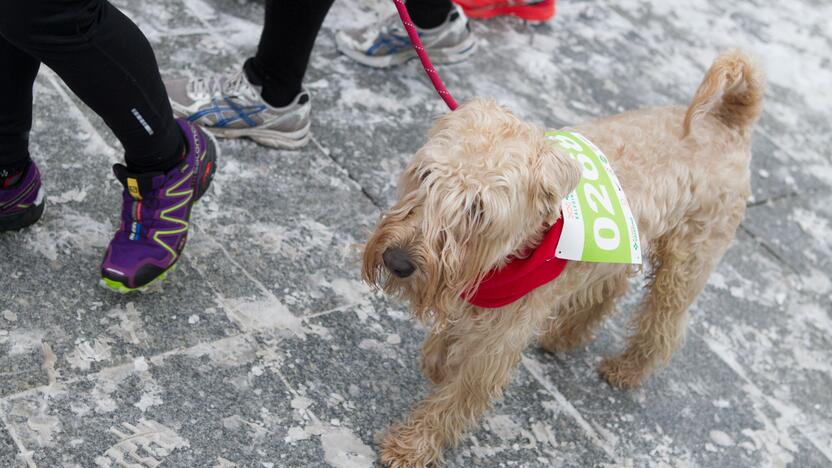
(769, 249)
(348, 174)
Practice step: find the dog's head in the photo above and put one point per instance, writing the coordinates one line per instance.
(484, 186)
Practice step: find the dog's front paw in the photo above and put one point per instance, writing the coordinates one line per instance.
(405, 446)
(622, 372)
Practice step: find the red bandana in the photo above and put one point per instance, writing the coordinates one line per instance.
(521, 276)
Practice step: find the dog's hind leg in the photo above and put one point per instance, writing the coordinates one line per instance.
(682, 261)
(575, 324)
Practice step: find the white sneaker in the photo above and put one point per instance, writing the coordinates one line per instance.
(386, 43)
(229, 106)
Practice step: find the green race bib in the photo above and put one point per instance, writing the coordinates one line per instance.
(598, 225)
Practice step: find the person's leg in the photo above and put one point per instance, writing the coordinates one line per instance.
(289, 34)
(16, 82)
(109, 64)
(443, 30)
(265, 101)
(21, 194)
(428, 14)
(286, 43)
(104, 58)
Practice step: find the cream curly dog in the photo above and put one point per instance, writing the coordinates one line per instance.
(486, 186)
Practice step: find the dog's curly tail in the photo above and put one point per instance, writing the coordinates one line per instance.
(732, 91)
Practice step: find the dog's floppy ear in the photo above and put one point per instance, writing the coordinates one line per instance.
(555, 176)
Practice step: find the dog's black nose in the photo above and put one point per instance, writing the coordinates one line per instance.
(397, 261)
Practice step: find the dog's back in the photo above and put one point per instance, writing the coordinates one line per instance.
(671, 160)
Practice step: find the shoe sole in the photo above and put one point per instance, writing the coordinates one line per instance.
(25, 219)
(526, 12)
(120, 288)
(263, 136)
(266, 137)
(444, 56)
(212, 152)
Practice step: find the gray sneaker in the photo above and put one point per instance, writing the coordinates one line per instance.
(229, 106)
(386, 43)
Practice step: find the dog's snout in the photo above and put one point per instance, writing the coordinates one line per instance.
(398, 262)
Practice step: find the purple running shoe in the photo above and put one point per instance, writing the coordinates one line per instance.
(22, 204)
(155, 212)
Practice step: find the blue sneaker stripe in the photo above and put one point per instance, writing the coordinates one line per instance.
(376, 46)
(243, 113)
(401, 43)
(207, 111)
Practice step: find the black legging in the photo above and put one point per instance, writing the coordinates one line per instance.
(103, 57)
(109, 64)
(289, 33)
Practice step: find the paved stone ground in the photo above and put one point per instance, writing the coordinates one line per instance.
(265, 350)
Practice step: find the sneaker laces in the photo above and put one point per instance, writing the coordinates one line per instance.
(128, 210)
(391, 26)
(221, 84)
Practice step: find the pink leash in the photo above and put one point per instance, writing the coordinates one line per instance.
(423, 56)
